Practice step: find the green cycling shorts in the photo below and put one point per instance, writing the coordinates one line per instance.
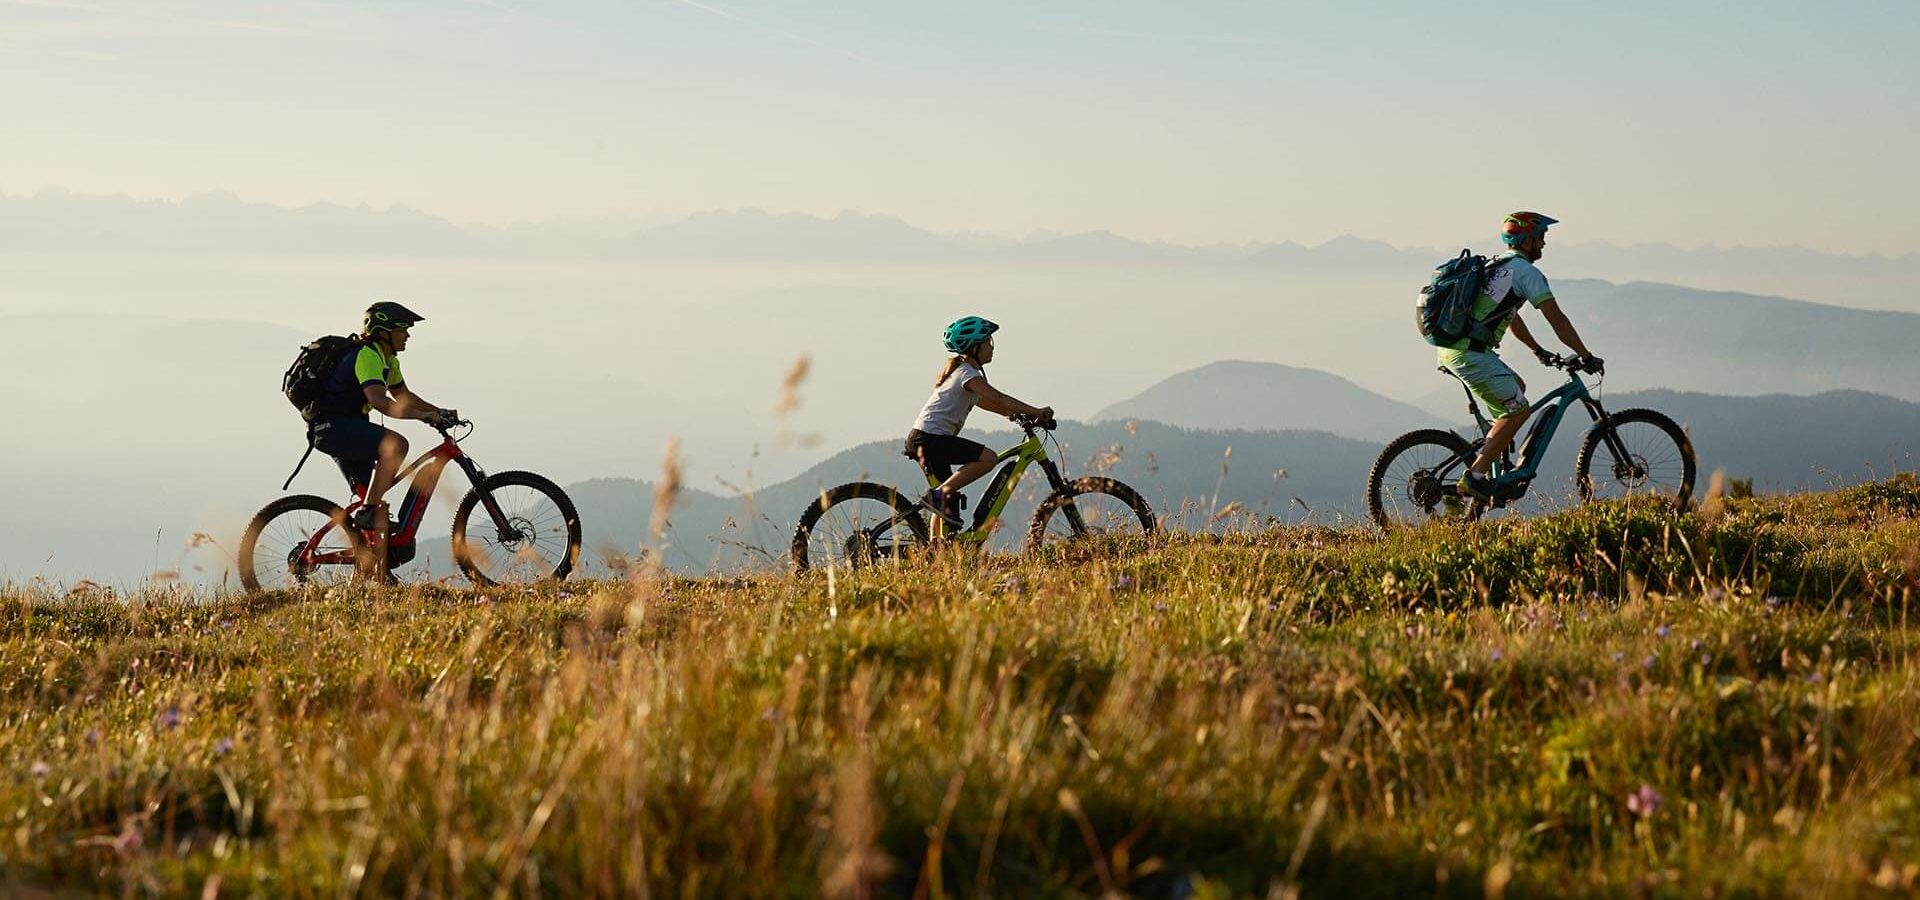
(1490, 380)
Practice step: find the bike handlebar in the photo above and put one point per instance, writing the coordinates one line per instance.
(1032, 423)
(1574, 363)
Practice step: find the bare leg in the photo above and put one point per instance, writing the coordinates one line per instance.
(969, 473)
(393, 454)
(1499, 437)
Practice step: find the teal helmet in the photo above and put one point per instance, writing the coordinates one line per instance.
(967, 333)
(388, 315)
(1521, 227)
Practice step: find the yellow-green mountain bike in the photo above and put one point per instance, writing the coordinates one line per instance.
(861, 523)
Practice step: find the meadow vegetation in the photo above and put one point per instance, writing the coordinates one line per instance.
(1607, 701)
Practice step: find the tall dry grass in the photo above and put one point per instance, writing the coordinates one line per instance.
(1600, 702)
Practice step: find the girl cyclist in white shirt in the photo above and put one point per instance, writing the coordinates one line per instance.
(935, 440)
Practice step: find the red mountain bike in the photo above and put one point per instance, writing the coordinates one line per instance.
(527, 529)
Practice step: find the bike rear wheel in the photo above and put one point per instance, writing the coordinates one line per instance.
(857, 525)
(1658, 459)
(280, 550)
(1090, 507)
(537, 538)
(1412, 481)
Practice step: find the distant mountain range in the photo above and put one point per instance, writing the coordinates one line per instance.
(57, 221)
(1235, 394)
(1659, 336)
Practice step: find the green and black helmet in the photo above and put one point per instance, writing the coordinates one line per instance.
(388, 315)
(967, 333)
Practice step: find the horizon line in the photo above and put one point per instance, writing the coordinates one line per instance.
(1032, 237)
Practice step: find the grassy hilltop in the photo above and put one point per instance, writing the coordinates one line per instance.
(1606, 701)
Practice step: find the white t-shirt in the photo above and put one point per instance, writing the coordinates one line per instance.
(946, 411)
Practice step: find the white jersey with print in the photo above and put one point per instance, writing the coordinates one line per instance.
(946, 411)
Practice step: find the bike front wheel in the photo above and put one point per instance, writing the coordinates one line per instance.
(528, 533)
(1090, 507)
(856, 525)
(298, 542)
(1412, 481)
(1648, 455)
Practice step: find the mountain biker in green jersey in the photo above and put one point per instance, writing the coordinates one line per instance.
(366, 380)
(935, 440)
(1511, 274)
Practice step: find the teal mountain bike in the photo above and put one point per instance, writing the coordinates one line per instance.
(1633, 452)
(861, 523)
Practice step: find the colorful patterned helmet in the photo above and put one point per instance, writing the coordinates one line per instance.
(1523, 225)
(965, 334)
(388, 315)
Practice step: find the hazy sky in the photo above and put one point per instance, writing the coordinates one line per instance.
(1757, 122)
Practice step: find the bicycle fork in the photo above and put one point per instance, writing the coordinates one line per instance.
(1610, 437)
(502, 525)
(1060, 486)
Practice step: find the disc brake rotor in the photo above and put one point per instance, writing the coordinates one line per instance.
(1632, 472)
(519, 532)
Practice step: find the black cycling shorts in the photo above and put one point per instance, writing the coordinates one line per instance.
(354, 443)
(939, 453)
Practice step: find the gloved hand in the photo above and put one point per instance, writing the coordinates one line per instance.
(1547, 357)
(1593, 365)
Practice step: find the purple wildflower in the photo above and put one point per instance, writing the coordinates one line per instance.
(1619, 656)
(1123, 582)
(1644, 801)
(222, 747)
(169, 718)
(1497, 655)
(1649, 662)
(39, 769)
(1663, 631)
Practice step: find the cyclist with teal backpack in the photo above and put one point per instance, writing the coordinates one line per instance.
(1511, 280)
(935, 442)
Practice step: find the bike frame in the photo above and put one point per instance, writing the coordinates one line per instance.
(1013, 463)
(425, 472)
(1511, 480)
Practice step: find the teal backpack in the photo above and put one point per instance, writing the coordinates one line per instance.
(1444, 312)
